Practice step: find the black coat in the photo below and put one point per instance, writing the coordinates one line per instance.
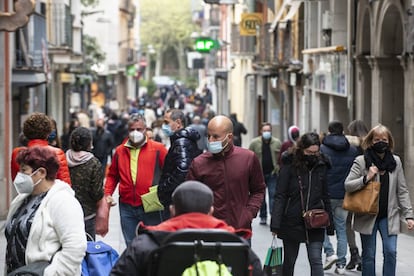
(287, 220)
(181, 153)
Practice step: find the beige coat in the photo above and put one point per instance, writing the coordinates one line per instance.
(399, 204)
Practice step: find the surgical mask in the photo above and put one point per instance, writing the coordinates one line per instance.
(136, 136)
(24, 183)
(167, 130)
(380, 147)
(267, 135)
(216, 146)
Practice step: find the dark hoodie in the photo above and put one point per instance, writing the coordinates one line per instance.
(134, 259)
(341, 155)
(182, 151)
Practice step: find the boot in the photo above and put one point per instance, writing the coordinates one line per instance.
(355, 261)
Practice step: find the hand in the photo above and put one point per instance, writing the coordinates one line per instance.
(410, 224)
(330, 230)
(373, 170)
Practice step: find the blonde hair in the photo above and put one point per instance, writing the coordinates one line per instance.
(378, 129)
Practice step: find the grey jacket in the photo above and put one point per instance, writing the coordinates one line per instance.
(399, 204)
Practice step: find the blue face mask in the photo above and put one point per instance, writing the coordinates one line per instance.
(216, 146)
(267, 135)
(167, 130)
(52, 136)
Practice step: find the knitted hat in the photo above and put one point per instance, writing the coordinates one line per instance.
(293, 133)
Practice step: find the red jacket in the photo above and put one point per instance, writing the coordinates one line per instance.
(120, 171)
(196, 221)
(236, 178)
(62, 173)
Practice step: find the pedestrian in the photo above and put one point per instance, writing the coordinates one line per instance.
(304, 175)
(357, 131)
(65, 137)
(202, 130)
(233, 173)
(53, 138)
(103, 143)
(267, 147)
(341, 156)
(182, 151)
(86, 176)
(293, 136)
(380, 164)
(45, 221)
(192, 207)
(134, 167)
(238, 130)
(37, 128)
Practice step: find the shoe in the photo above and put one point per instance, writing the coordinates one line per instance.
(329, 261)
(263, 221)
(355, 261)
(340, 269)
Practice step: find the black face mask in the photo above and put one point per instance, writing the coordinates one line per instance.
(311, 160)
(380, 147)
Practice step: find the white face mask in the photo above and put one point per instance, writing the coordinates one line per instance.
(136, 136)
(24, 183)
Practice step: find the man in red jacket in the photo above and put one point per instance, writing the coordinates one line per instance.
(191, 209)
(36, 128)
(136, 165)
(233, 173)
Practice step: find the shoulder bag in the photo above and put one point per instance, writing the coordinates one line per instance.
(314, 218)
(365, 200)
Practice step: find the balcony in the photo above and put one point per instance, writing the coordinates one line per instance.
(127, 56)
(242, 45)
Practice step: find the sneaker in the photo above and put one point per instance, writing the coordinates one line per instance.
(340, 269)
(263, 221)
(329, 261)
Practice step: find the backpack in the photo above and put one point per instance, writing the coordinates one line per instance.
(99, 259)
(207, 268)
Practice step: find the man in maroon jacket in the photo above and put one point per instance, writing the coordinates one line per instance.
(233, 173)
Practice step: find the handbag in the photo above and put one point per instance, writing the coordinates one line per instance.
(274, 260)
(314, 218)
(32, 269)
(365, 200)
(150, 200)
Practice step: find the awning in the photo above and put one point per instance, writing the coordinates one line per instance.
(277, 18)
(28, 78)
(330, 49)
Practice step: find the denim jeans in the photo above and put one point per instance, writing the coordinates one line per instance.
(131, 216)
(339, 217)
(369, 246)
(90, 228)
(270, 180)
(291, 250)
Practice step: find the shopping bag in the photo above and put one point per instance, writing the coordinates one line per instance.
(274, 260)
(151, 202)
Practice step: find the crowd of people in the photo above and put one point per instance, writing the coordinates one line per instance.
(204, 179)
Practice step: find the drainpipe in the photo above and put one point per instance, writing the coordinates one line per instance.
(7, 105)
(350, 53)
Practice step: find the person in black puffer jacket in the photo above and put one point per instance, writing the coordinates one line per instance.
(182, 151)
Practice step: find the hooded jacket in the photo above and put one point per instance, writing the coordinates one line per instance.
(182, 151)
(341, 155)
(149, 238)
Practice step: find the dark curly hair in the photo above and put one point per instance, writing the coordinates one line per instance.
(305, 141)
(81, 139)
(39, 157)
(37, 126)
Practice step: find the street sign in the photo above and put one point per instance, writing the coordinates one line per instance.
(205, 44)
(249, 23)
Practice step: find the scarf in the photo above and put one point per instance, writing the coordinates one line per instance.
(387, 163)
(76, 158)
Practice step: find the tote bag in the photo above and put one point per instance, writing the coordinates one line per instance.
(364, 201)
(274, 260)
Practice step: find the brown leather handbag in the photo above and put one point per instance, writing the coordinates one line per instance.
(365, 200)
